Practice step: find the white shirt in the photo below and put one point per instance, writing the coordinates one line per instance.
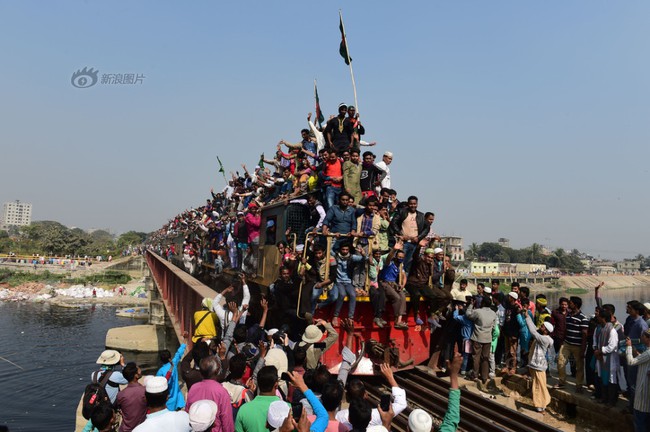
(225, 315)
(165, 420)
(385, 182)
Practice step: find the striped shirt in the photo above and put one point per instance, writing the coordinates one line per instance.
(575, 326)
(642, 394)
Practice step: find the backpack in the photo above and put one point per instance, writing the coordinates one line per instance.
(94, 394)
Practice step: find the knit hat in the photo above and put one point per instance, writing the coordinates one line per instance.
(202, 415)
(420, 421)
(278, 412)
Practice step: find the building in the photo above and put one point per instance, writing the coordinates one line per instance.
(604, 269)
(454, 247)
(628, 266)
(504, 242)
(15, 213)
(506, 268)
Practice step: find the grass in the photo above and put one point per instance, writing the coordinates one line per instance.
(110, 277)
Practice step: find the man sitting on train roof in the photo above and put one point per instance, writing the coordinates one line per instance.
(341, 220)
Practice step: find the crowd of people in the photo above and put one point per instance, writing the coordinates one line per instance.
(252, 379)
(255, 361)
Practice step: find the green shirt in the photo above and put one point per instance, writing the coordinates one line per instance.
(452, 416)
(251, 417)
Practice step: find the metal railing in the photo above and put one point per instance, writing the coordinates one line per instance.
(180, 292)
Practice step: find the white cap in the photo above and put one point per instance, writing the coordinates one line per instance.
(514, 295)
(438, 250)
(376, 428)
(202, 413)
(647, 305)
(389, 154)
(278, 412)
(420, 421)
(156, 385)
(487, 290)
(548, 326)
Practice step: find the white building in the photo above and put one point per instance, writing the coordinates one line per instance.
(454, 246)
(15, 213)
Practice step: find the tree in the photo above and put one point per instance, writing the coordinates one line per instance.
(131, 238)
(490, 250)
(472, 252)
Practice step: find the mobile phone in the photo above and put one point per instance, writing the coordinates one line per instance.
(320, 345)
(384, 401)
(296, 411)
(285, 377)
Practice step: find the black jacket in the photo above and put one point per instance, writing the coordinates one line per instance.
(396, 223)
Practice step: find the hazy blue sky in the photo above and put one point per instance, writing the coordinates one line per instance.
(526, 120)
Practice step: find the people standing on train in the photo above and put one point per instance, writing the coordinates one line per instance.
(411, 227)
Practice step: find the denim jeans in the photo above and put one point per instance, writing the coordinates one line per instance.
(332, 196)
(409, 248)
(332, 296)
(345, 288)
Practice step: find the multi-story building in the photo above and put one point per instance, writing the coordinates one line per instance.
(15, 213)
(504, 242)
(628, 266)
(454, 246)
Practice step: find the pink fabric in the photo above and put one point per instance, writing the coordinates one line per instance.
(212, 390)
(253, 225)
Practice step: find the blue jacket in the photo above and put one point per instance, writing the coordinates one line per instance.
(467, 325)
(176, 399)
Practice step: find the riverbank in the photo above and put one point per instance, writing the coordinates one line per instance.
(583, 284)
(68, 295)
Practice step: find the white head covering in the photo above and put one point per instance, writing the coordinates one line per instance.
(202, 415)
(278, 412)
(420, 421)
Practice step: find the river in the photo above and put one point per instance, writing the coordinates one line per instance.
(54, 350)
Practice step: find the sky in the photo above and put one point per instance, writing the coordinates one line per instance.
(524, 120)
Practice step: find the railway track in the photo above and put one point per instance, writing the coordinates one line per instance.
(477, 414)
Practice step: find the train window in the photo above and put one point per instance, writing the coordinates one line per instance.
(271, 230)
(297, 220)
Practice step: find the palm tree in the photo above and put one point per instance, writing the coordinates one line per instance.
(472, 253)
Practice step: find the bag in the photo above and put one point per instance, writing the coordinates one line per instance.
(94, 394)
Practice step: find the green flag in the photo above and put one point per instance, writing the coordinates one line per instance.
(319, 114)
(221, 170)
(261, 162)
(343, 48)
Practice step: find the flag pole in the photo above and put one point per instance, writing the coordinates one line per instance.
(347, 51)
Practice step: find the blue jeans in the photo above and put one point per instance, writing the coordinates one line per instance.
(332, 296)
(641, 420)
(409, 248)
(344, 288)
(332, 196)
